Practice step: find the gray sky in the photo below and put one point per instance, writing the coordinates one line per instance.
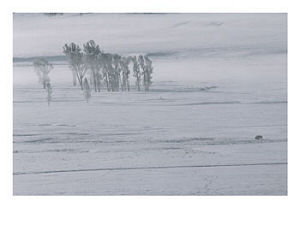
(196, 34)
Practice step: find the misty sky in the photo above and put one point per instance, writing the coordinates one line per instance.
(197, 34)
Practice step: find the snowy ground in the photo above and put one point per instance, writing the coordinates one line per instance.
(193, 134)
(174, 140)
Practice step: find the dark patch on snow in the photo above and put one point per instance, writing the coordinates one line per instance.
(119, 134)
(73, 133)
(162, 54)
(238, 142)
(215, 24)
(171, 148)
(180, 24)
(53, 151)
(187, 140)
(44, 125)
(212, 103)
(48, 58)
(270, 102)
(183, 89)
(25, 135)
(151, 168)
(213, 141)
(38, 140)
(65, 125)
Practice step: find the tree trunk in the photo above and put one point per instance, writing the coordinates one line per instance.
(139, 89)
(95, 83)
(80, 82)
(74, 79)
(98, 83)
(138, 83)
(128, 86)
(144, 81)
(106, 82)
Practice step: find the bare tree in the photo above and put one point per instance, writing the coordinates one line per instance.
(49, 92)
(141, 62)
(125, 73)
(42, 67)
(86, 89)
(116, 72)
(92, 54)
(107, 70)
(136, 72)
(147, 73)
(76, 63)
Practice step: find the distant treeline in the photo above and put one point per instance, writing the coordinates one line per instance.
(58, 59)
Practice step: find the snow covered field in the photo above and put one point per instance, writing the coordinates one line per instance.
(219, 80)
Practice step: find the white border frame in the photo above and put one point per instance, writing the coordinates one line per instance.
(148, 210)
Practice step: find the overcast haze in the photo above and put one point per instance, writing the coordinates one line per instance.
(37, 34)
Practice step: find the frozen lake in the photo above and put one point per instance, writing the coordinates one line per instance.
(192, 134)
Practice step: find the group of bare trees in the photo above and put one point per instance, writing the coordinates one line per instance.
(105, 70)
(94, 69)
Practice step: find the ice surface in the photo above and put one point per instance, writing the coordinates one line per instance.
(192, 134)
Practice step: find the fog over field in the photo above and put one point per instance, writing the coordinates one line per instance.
(218, 81)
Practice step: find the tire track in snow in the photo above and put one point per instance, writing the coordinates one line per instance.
(151, 167)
